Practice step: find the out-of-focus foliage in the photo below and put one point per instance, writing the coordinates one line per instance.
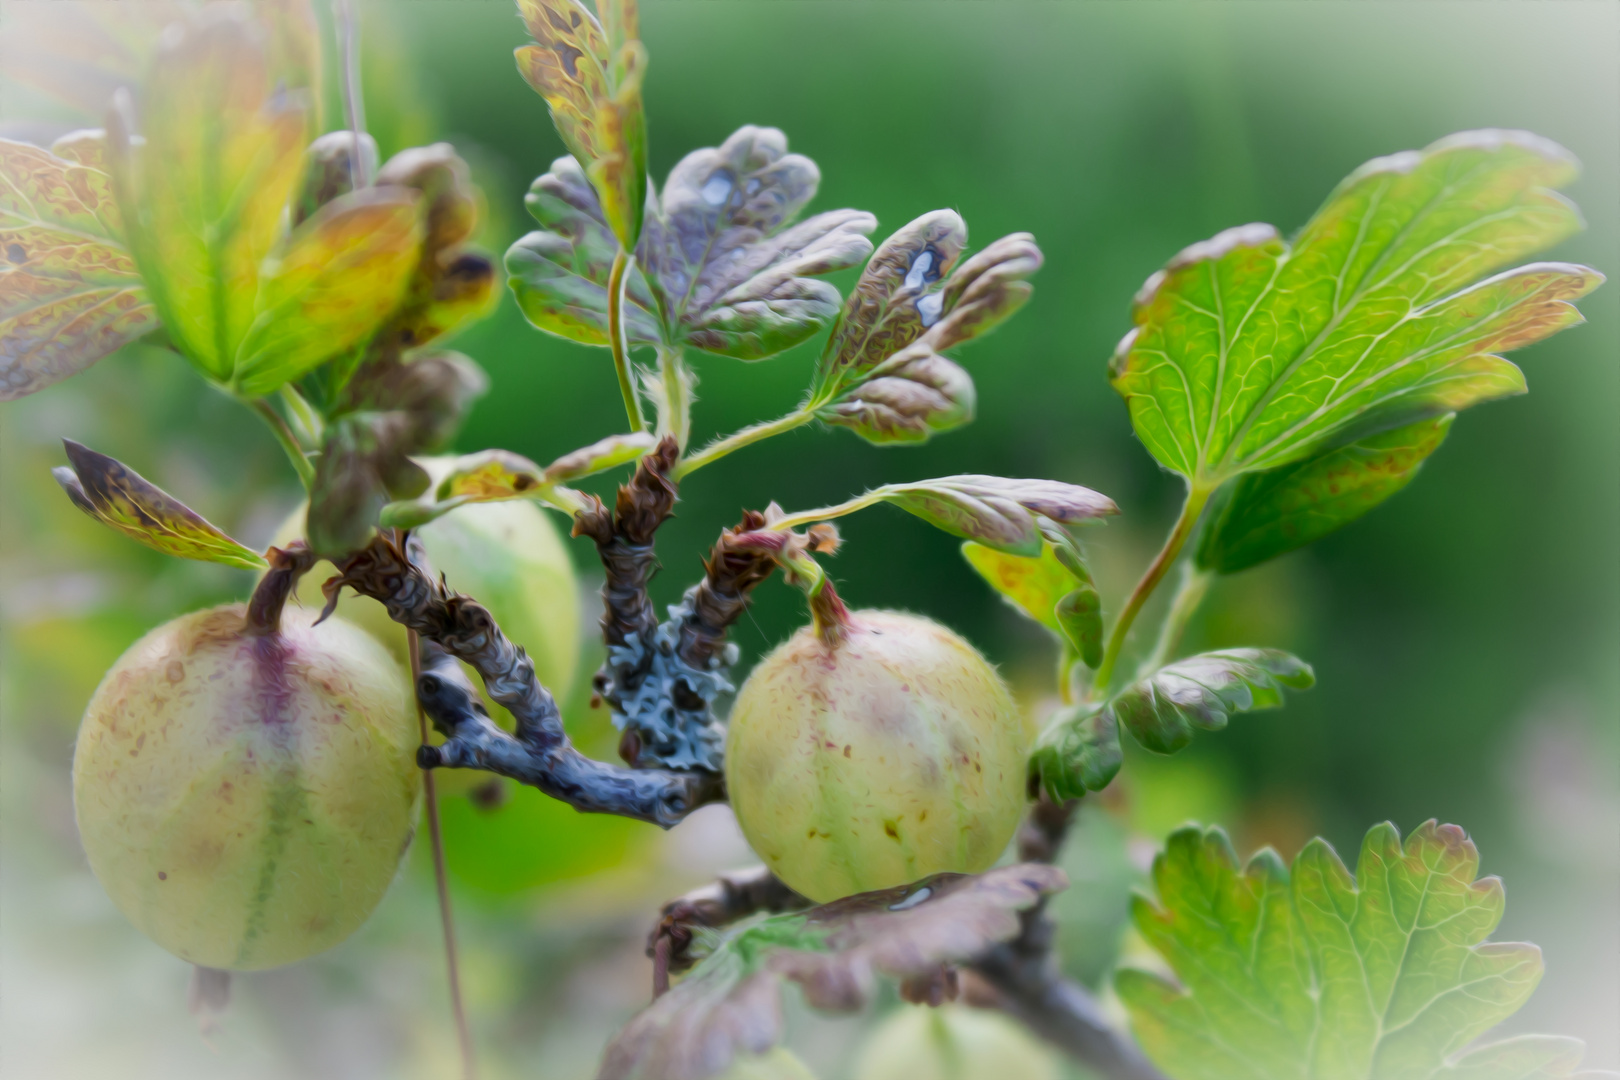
(729, 1004)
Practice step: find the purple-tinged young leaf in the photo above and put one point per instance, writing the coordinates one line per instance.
(604, 454)
(405, 407)
(730, 1005)
(342, 272)
(559, 274)
(731, 274)
(895, 300)
(996, 511)
(329, 171)
(1079, 749)
(1251, 353)
(203, 198)
(120, 498)
(918, 395)
(881, 374)
(69, 291)
(1270, 513)
(452, 284)
(1314, 973)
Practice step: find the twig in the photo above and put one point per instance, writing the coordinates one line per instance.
(732, 896)
(661, 678)
(540, 754)
(1021, 977)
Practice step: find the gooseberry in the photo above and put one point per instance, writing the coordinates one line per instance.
(509, 557)
(952, 1042)
(245, 794)
(888, 754)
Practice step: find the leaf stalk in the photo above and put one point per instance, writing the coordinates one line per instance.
(617, 279)
(1191, 510)
(1190, 592)
(739, 439)
(284, 436)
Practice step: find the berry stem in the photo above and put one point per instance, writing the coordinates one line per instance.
(285, 438)
(269, 597)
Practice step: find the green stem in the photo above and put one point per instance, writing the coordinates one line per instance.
(1197, 497)
(1190, 593)
(677, 381)
(284, 436)
(617, 279)
(739, 439)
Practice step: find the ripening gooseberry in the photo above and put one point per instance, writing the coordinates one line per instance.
(245, 796)
(952, 1042)
(892, 753)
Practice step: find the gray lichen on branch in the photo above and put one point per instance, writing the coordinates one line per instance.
(662, 678)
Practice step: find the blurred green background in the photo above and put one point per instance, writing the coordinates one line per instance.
(1465, 635)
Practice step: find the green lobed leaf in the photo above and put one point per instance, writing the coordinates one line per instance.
(342, 272)
(997, 511)
(1312, 973)
(732, 274)
(1269, 513)
(203, 196)
(1079, 615)
(592, 84)
(1250, 353)
(1079, 751)
(120, 498)
(730, 1004)
(881, 374)
(559, 274)
(69, 290)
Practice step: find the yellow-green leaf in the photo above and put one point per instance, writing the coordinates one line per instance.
(343, 272)
(1251, 353)
(592, 83)
(69, 291)
(120, 498)
(204, 197)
